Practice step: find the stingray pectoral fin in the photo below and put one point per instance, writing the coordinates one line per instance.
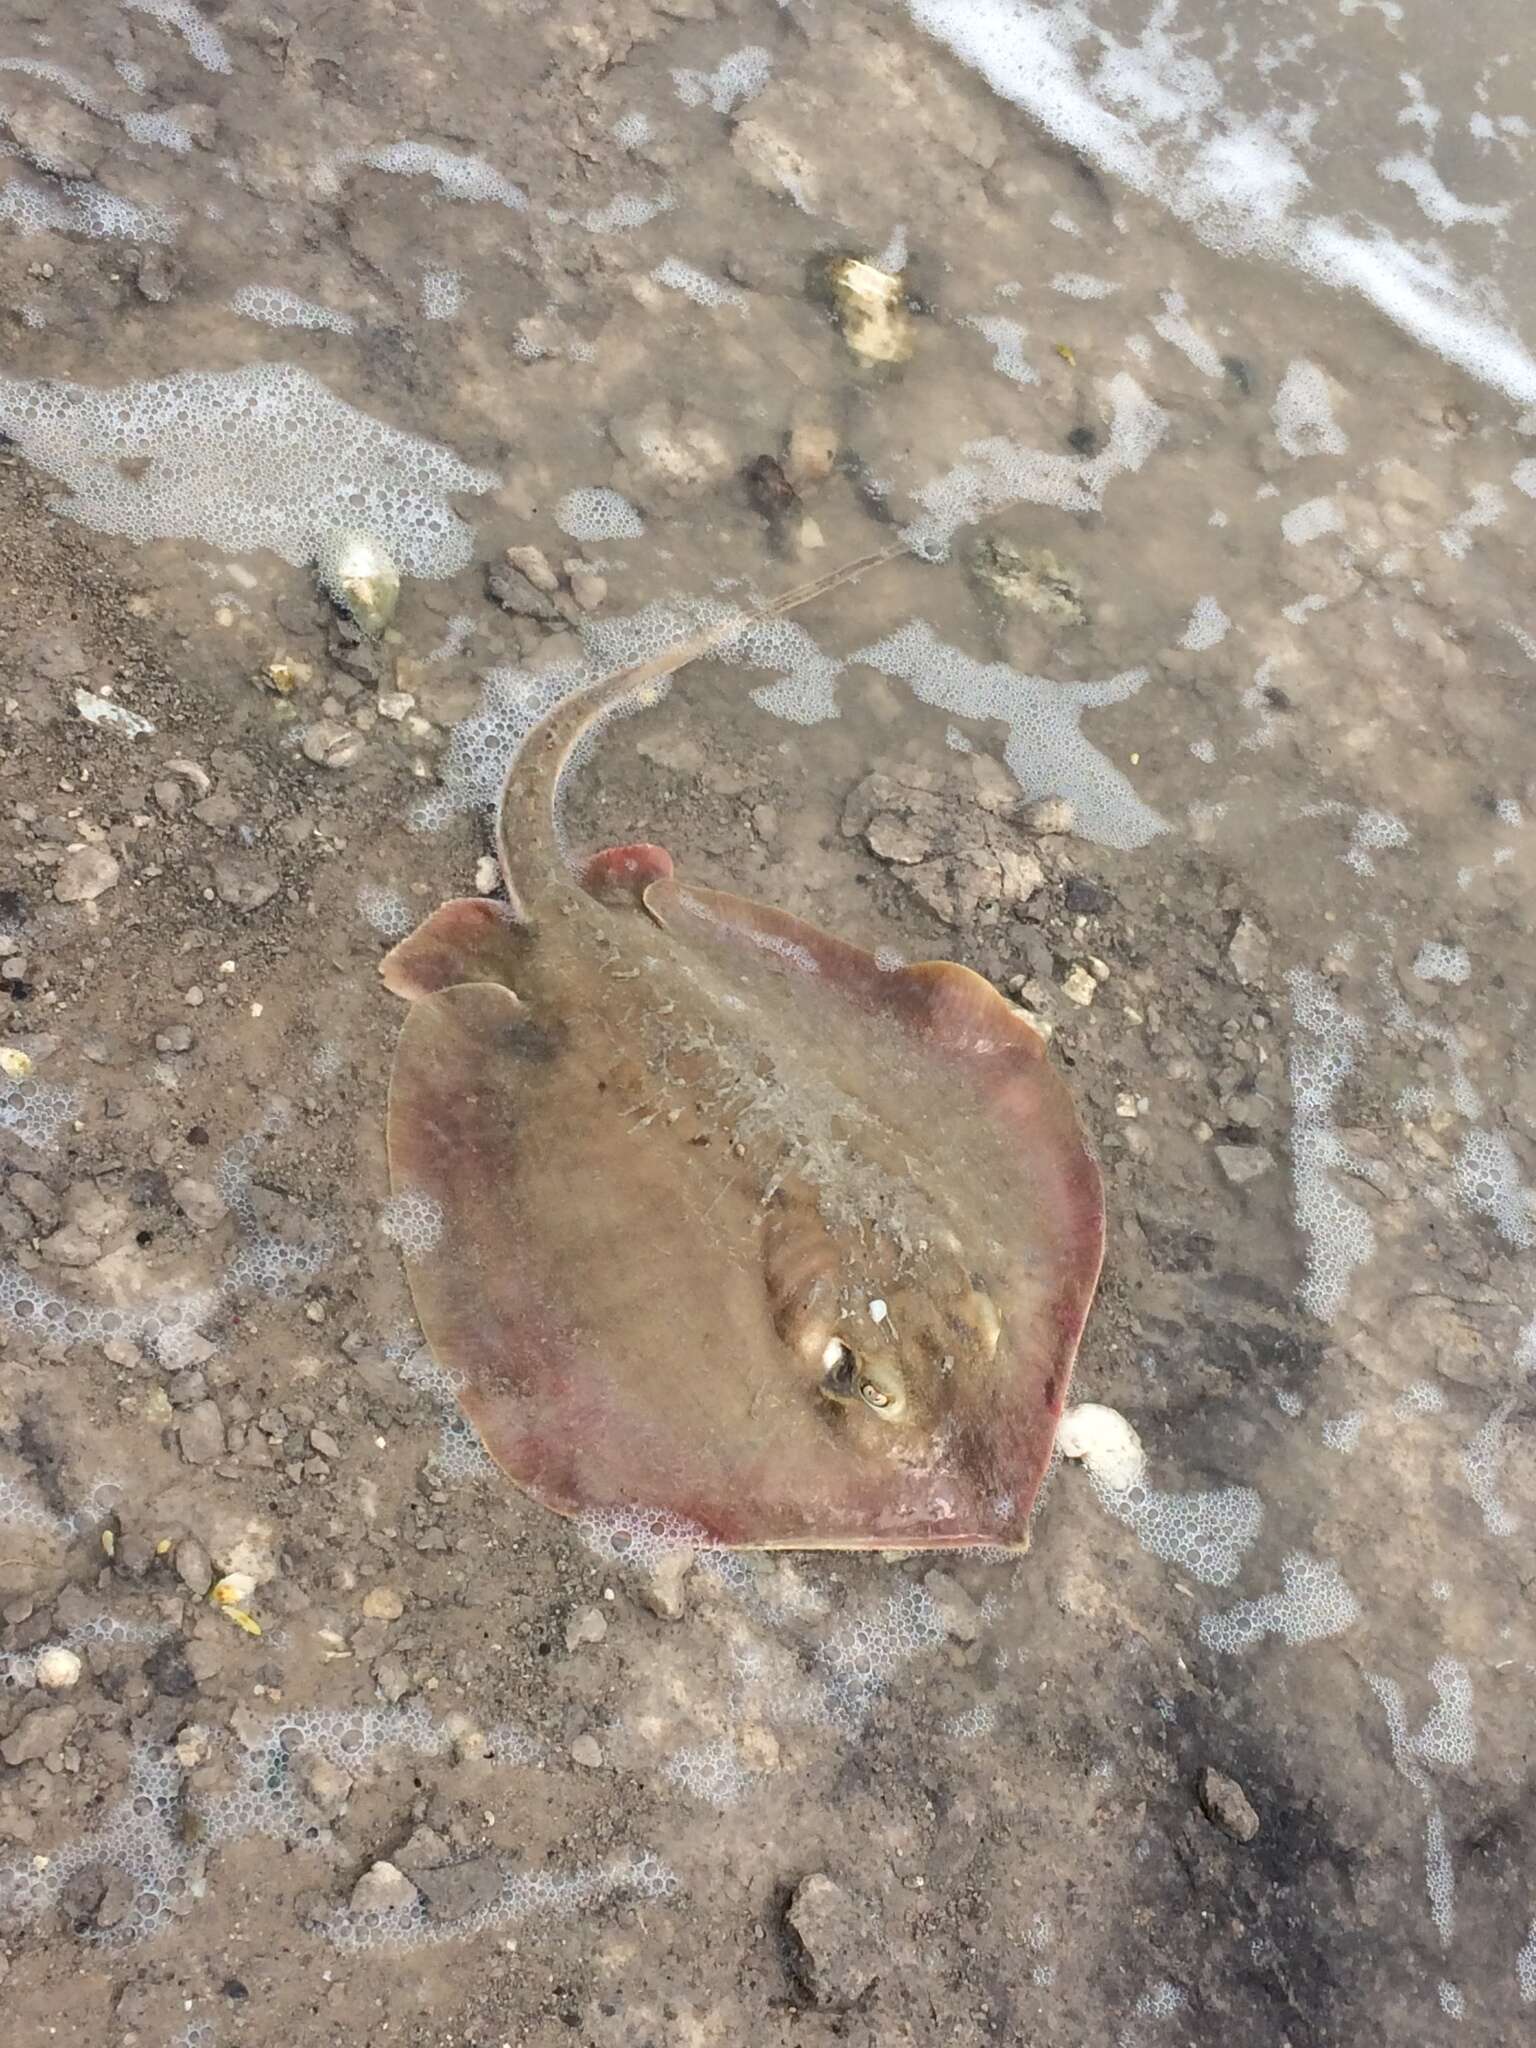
(623, 874)
(470, 939)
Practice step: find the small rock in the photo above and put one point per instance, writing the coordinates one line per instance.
(382, 1603)
(244, 885)
(394, 705)
(174, 1038)
(168, 1670)
(322, 1441)
(157, 276)
(517, 594)
(328, 1786)
(662, 1590)
(586, 1751)
(200, 1202)
(85, 874)
(37, 1198)
(194, 1567)
(200, 1433)
(1248, 951)
(39, 1734)
(1079, 986)
(487, 875)
(392, 1678)
(961, 1615)
(534, 564)
(170, 796)
(330, 745)
(193, 1743)
(812, 451)
(831, 1943)
(218, 811)
(1052, 814)
(1227, 1805)
(590, 1626)
(58, 1669)
(383, 1889)
(588, 588)
(455, 1890)
(71, 1246)
(1242, 1163)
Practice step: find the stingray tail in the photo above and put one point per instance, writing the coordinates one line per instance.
(533, 858)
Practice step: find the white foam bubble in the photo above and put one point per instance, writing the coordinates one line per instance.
(1077, 284)
(1437, 962)
(1311, 521)
(262, 457)
(858, 1662)
(1375, 832)
(35, 1110)
(275, 306)
(77, 207)
(1007, 339)
(996, 473)
(385, 909)
(1208, 626)
(1422, 1397)
(736, 78)
(1482, 1458)
(626, 210)
(1159, 121)
(697, 285)
(1303, 412)
(1488, 1181)
(1436, 201)
(592, 515)
(1176, 330)
(711, 1772)
(1046, 750)
(1342, 1432)
(1525, 1967)
(413, 1220)
(1339, 1233)
(457, 177)
(202, 39)
(442, 295)
(632, 130)
(1315, 1603)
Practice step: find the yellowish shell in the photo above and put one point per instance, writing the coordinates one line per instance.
(360, 577)
(871, 309)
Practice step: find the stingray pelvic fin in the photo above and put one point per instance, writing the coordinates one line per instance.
(470, 939)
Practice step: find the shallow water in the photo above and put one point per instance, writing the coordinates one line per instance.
(1227, 309)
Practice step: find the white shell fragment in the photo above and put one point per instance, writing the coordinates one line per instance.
(360, 577)
(102, 711)
(58, 1668)
(1106, 1443)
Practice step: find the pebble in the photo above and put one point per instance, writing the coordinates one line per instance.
(831, 1942)
(38, 1734)
(332, 745)
(326, 1783)
(200, 1433)
(244, 885)
(1248, 951)
(200, 1202)
(1079, 986)
(58, 1669)
(961, 1615)
(85, 874)
(174, 1038)
(487, 875)
(1243, 1163)
(1051, 814)
(534, 564)
(382, 1603)
(586, 1752)
(455, 1890)
(395, 704)
(37, 1198)
(383, 1889)
(589, 1626)
(662, 1590)
(588, 588)
(1227, 1805)
(812, 451)
(193, 1566)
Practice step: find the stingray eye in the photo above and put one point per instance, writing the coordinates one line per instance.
(842, 1371)
(882, 1389)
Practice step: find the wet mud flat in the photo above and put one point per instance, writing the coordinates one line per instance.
(1204, 741)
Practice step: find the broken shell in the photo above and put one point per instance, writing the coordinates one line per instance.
(1105, 1442)
(360, 577)
(871, 310)
(285, 676)
(235, 1589)
(14, 1063)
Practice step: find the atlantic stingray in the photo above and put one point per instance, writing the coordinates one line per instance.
(729, 1220)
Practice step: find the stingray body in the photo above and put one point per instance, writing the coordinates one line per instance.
(731, 1222)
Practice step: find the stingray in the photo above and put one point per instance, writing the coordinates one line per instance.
(721, 1220)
